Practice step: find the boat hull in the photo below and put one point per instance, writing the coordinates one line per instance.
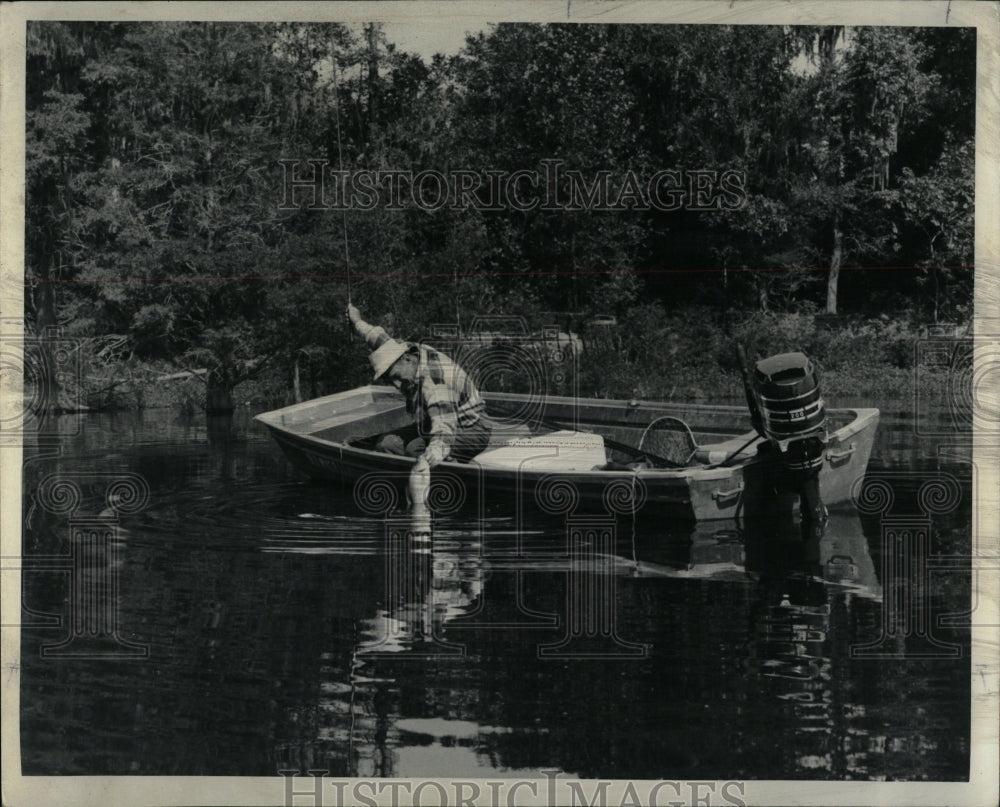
(317, 437)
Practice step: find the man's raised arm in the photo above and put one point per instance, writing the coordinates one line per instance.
(373, 335)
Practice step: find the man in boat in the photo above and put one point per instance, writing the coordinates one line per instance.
(449, 412)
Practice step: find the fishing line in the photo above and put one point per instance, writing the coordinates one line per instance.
(340, 164)
(354, 687)
(635, 561)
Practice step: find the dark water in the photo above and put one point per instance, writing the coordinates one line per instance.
(266, 623)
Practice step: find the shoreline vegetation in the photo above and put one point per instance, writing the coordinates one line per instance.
(645, 354)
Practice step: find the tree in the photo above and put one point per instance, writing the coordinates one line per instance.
(867, 88)
(61, 142)
(525, 93)
(181, 196)
(938, 207)
(718, 98)
(153, 179)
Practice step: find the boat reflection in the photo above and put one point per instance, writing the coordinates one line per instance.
(434, 583)
(797, 564)
(785, 561)
(798, 651)
(448, 601)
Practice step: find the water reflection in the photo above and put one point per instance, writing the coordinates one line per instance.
(286, 630)
(800, 592)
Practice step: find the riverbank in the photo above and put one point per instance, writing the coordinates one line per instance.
(647, 354)
(691, 355)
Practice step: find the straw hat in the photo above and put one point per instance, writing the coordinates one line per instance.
(386, 355)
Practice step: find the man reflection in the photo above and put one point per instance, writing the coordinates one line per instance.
(425, 588)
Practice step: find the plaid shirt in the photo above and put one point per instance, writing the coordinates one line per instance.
(442, 400)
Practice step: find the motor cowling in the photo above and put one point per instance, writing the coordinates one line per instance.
(791, 404)
(793, 418)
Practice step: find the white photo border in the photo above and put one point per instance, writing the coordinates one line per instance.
(982, 789)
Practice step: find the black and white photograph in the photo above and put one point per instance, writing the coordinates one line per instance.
(500, 404)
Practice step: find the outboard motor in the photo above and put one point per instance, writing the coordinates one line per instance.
(785, 393)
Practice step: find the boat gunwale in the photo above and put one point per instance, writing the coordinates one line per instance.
(860, 419)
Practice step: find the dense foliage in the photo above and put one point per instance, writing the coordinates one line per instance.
(156, 235)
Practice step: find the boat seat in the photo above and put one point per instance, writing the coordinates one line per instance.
(504, 433)
(554, 451)
(745, 445)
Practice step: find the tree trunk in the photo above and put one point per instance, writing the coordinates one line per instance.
(296, 387)
(932, 270)
(219, 393)
(934, 274)
(725, 298)
(762, 295)
(834, 276)
(574, 300)
(50, 392)
(372, 72)
(219, 428)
